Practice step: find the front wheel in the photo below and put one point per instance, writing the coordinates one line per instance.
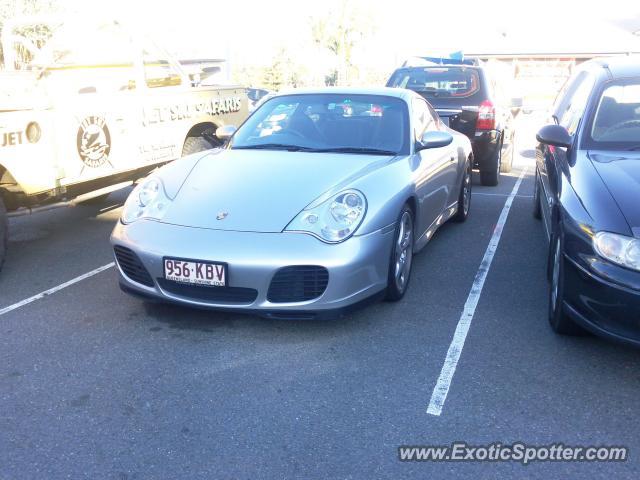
(558, 319)
(4, 232)
(464, 198)
(401, 257)
(204, 141)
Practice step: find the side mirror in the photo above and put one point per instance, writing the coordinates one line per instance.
(226, 132)
(516, 106)
(434, 139)
(555, 135)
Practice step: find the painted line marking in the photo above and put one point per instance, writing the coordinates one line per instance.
(440, 391)
(53, 290)
(500, 195)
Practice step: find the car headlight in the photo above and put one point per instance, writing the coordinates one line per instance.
(334, 220)
(620, 249)
(148, 200)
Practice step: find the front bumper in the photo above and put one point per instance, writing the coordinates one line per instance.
(358, 267)
(603, 298)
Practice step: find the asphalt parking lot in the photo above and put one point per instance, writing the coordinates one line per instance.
(96, 384)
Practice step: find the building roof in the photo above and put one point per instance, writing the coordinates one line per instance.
(581, 39)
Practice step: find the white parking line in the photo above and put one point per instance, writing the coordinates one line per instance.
(500, 195)
(441, 389)
(40, 295)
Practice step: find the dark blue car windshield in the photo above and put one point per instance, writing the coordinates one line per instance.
(616, 122)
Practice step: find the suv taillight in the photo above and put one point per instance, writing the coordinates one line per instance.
(486, 116)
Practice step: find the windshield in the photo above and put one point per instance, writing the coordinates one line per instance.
(438, 81)
(333, 122)
(616, 124)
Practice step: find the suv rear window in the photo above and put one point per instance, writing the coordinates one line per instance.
(457, 82)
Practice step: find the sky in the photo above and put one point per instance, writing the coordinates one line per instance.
(251, 31)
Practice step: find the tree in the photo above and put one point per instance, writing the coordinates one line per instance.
(346, 24)
(37, 34)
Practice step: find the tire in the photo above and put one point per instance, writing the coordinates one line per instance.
(464, 198)
(4, 233)
(506, 163)
(196, 144)
(489, 178)
(559, 321)
(403, 239)
(537, 207)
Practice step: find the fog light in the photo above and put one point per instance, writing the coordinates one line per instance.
(33, 132)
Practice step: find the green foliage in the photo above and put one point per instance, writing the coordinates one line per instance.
(16, 8)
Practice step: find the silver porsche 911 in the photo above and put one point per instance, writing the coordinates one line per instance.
(316, 203)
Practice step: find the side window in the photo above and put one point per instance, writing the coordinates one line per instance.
(423, 121)
(158, 71)
(572, 111)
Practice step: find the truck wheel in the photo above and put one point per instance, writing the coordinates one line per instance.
(489, 178)
(4, 232)
(199, 144)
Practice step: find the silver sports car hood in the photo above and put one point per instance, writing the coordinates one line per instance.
(260, 190)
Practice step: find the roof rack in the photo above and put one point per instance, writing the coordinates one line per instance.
(455, 59)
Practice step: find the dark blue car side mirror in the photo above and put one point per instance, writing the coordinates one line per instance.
(555, 135)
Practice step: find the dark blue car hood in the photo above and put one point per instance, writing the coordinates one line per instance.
(620, 172)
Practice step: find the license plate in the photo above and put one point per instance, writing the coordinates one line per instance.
(194, 272)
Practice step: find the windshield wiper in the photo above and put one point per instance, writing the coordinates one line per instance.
(362, 150)
(273, 146)
(634, 148)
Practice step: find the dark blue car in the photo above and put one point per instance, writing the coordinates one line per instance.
(587, 192)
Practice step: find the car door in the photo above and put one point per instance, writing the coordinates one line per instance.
(92, 82)
(168, 106)
(552, 161)
(437, 171)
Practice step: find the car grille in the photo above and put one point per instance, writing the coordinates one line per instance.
(298, 284)
(233, 295)
(132, 267)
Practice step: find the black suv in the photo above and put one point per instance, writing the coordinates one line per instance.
(466, 101)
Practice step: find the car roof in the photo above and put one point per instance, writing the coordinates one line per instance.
(617, 67)
(381, 91)
(438, 66)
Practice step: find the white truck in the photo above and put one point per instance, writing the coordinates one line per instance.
(90, 105)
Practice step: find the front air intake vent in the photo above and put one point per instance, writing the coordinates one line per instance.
(298, 284)
(131, 266)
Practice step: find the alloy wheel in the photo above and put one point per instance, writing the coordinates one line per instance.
(404, 252)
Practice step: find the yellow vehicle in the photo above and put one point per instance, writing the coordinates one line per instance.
(92, 105)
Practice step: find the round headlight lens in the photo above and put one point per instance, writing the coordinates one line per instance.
(334, 220)
(618, 249)
(147, 200)
(148, 192)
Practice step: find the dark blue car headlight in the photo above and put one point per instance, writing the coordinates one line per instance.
(619, 249)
